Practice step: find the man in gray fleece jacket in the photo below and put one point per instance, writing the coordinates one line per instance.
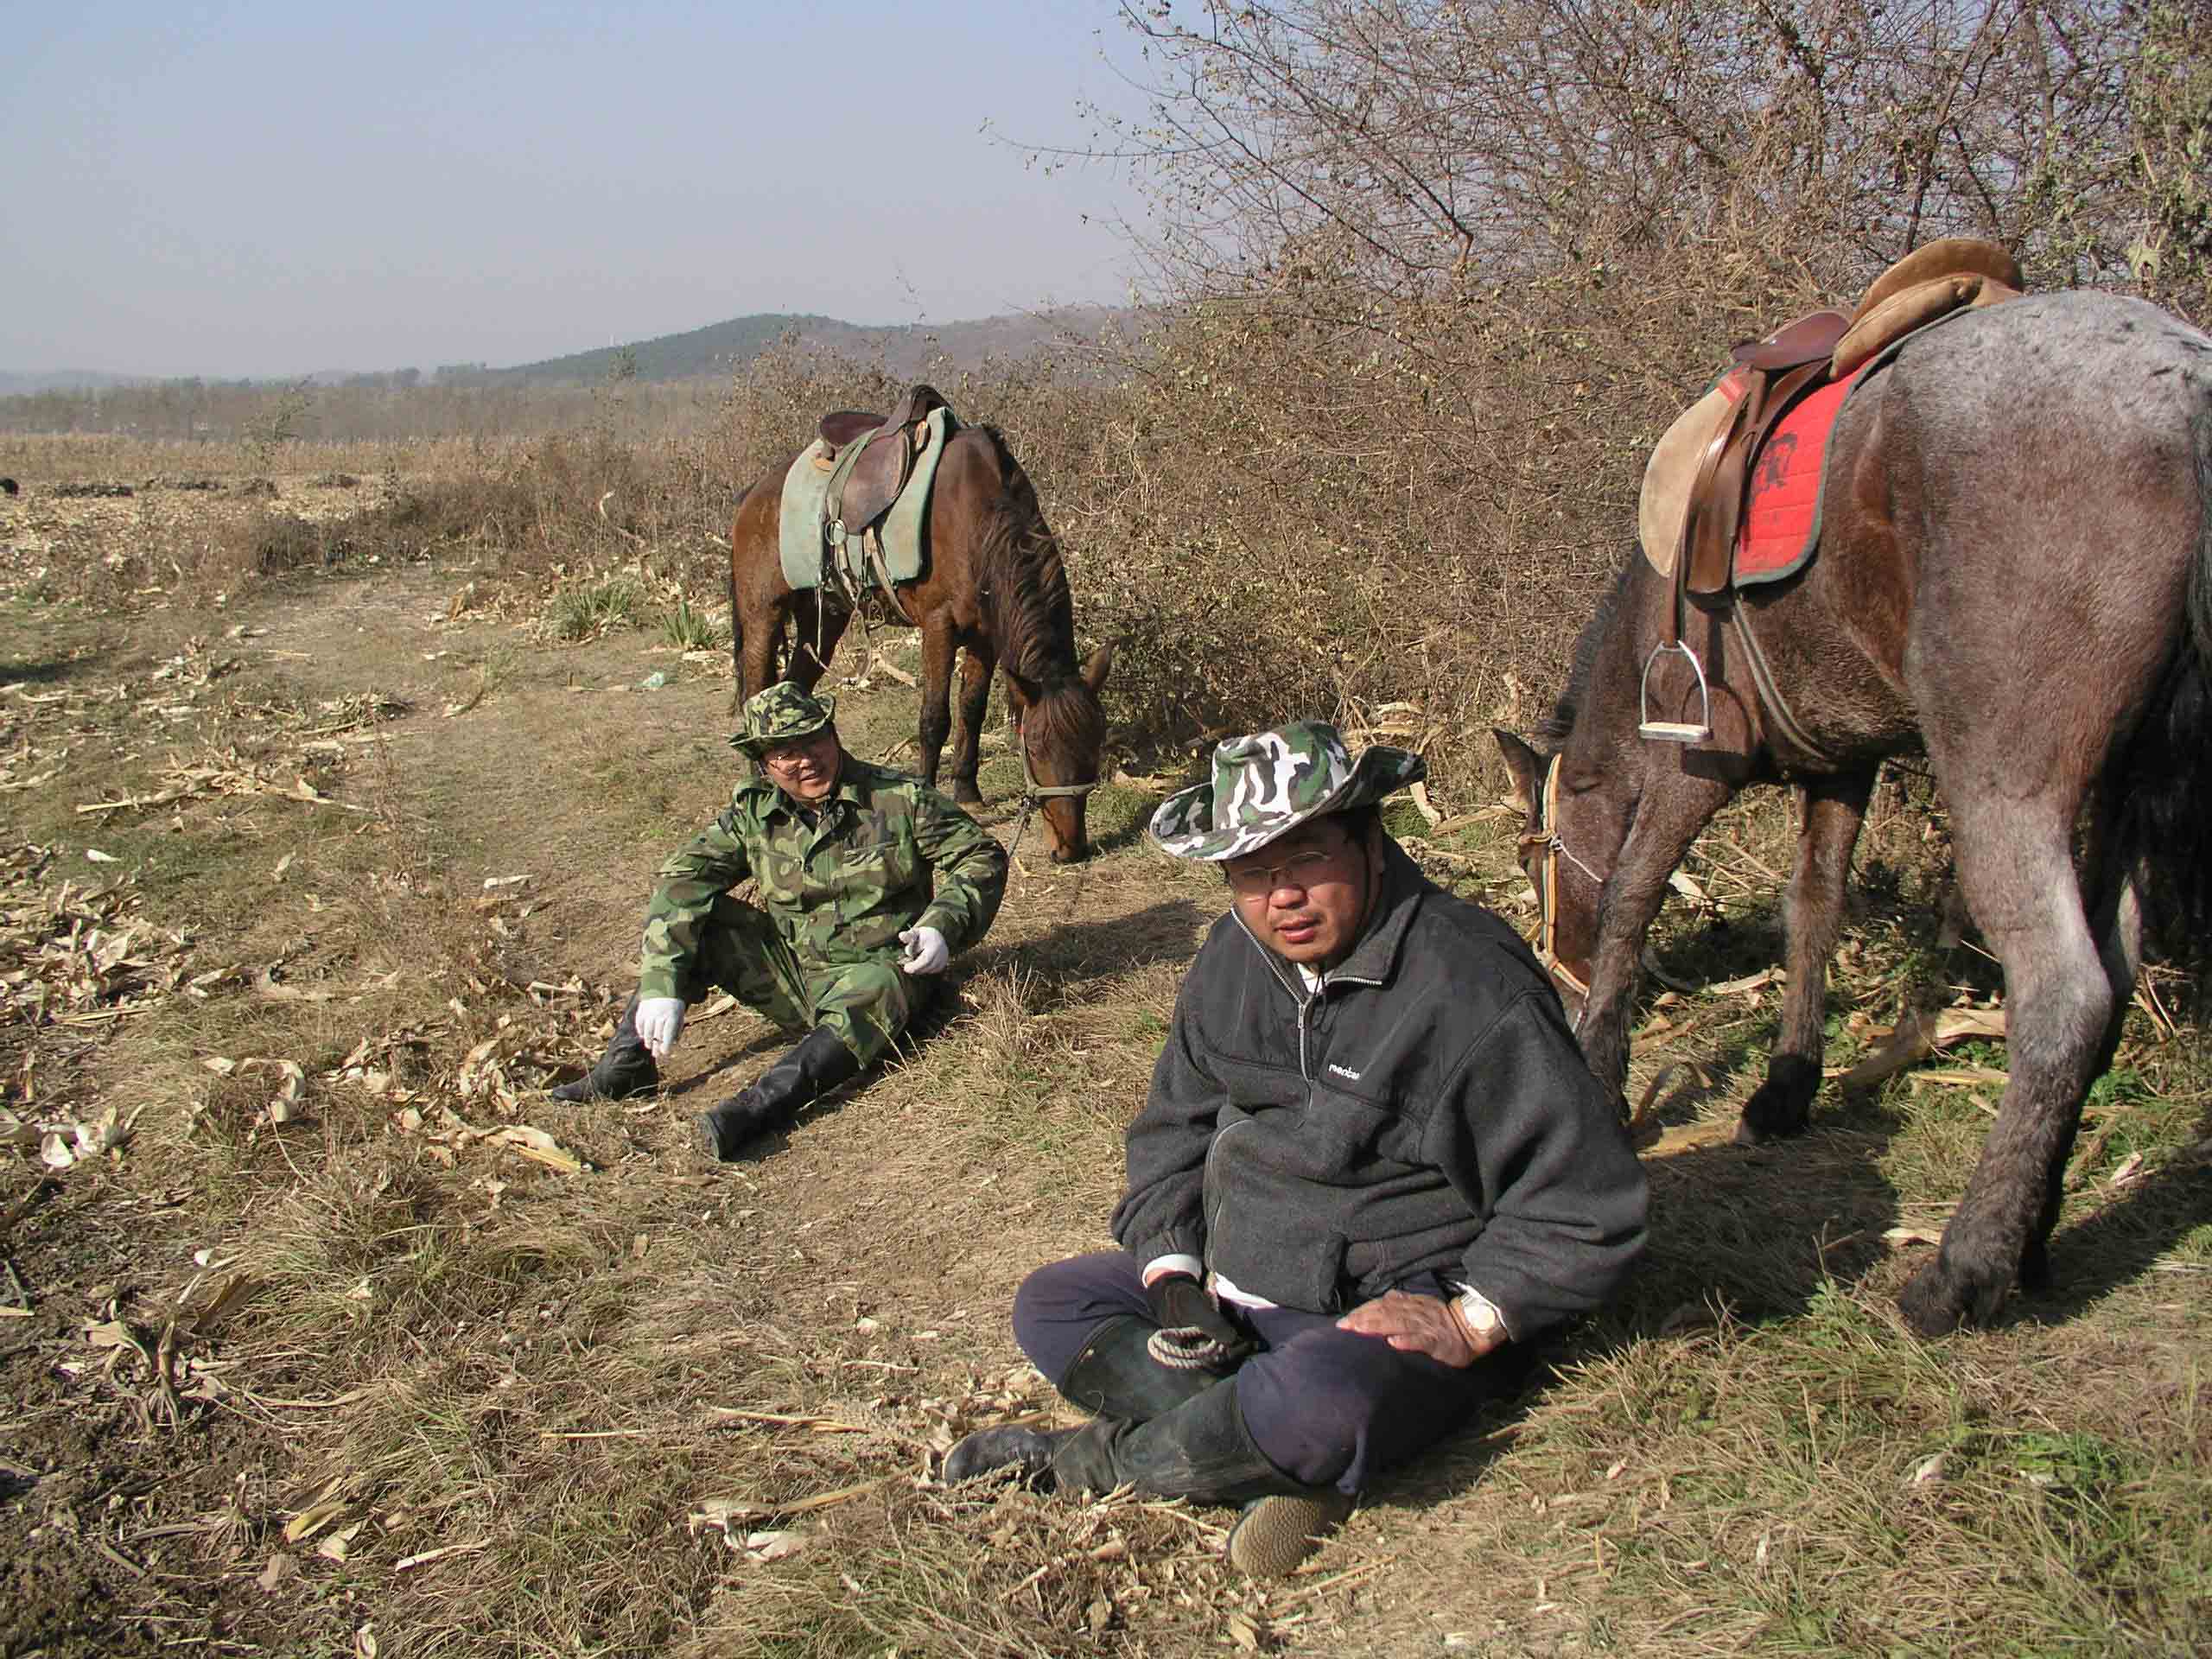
(1372, 1168)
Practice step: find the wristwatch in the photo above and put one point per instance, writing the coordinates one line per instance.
(1480, 1313)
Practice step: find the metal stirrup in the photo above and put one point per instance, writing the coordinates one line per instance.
(1674, 731)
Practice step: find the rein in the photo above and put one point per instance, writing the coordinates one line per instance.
(1546, 837)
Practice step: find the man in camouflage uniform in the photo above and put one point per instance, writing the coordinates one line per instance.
(870, 882)
(1371, 1170)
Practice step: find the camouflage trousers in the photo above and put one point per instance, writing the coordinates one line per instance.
(867, 1004)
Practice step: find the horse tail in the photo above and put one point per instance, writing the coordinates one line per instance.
(2167, 823)
(736, 625)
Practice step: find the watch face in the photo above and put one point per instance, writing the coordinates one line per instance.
(1480, 1315)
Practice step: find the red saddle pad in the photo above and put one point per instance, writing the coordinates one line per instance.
(1781, 528)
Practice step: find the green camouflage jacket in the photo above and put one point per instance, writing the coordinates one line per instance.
(840, 891)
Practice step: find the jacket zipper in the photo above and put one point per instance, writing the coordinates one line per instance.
(1305, 1002)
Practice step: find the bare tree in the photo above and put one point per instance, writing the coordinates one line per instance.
(1413, 142)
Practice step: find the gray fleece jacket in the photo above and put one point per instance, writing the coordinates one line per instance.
(1425, 1111)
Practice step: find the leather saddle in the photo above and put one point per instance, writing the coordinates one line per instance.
(874, 457)
(1698, 480)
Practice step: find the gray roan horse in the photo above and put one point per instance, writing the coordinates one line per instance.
(2015, 575)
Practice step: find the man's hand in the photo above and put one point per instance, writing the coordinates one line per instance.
(1422, 1325)
(926, 952)
(658, 1020)
(1194, 1333)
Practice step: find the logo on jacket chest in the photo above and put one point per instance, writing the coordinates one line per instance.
(1344, 1071)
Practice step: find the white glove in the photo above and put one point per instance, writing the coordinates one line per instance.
(659, 1018)
(926, 952)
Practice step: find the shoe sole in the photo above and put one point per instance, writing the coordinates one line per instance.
(1274, 1534)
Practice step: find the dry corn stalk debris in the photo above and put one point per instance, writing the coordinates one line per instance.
(224, 772)
(79, 954)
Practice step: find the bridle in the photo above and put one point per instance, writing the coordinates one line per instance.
(1546, 835)
(1034, 794)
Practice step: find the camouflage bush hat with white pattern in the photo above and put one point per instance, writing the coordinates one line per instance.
(782, 714)
(1266, 783)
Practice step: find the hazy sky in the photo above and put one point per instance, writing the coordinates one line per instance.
(260, 189)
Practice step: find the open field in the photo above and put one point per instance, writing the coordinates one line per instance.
(340, 1338)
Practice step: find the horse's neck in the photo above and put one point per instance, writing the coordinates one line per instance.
(1604, 741)
(1035, 622)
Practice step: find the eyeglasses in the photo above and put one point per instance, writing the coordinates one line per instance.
(788, 757)
(1301, 871)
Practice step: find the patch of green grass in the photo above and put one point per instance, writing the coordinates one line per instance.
(688, 628)
(588, 609)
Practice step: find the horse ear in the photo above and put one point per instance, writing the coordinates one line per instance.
(1094, 671)
(1527, 767)
(1020, 692)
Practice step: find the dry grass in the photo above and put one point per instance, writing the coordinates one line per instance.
(509, 1387)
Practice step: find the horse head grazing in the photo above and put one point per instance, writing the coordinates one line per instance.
(1061, 730)
(1573, 818)
(2029, 603)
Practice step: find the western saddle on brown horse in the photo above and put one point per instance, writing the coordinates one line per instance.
(1699, 477)
(875, 455)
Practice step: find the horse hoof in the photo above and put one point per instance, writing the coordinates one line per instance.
(1940, 1299)
(967, 795)
(1759, 1128)
(1931, 1304)
(1782, 1105)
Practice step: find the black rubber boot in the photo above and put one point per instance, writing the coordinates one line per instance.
(1026, 1451)
(1200, 1450)
(625, 1070)
(1115, 1374)
(1203, 1450)
(818, 1063)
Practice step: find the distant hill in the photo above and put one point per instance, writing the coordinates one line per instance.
(15, 385)
(720, 349)
(717, 350)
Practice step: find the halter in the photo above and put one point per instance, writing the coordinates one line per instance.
(1545, 835)
(1034, 794)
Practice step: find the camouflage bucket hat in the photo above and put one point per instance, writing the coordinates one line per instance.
(782, 714)
(1268, 783)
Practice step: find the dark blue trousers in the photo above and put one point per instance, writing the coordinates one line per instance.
(1328, 1407)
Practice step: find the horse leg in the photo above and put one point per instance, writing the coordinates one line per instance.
(755, 644)
(2112, 883)
(936, 722)
(1811, 913)
(816, 629)
(1667, 819)
(2016, 868)
(977, 665)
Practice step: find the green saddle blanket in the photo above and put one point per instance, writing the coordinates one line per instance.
(803, 543)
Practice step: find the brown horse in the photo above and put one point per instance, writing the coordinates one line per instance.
(993, 586)
(2015, 575)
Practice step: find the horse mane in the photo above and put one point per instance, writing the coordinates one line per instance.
(1552, 732)
(1024, 587)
